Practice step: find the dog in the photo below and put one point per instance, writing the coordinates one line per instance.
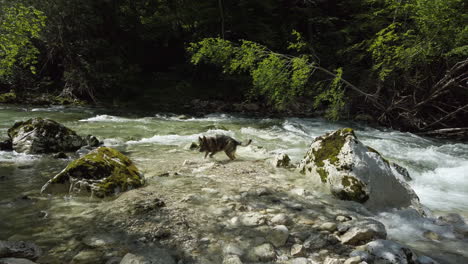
(219, 143)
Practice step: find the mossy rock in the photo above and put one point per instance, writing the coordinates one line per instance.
(103, 172)
(349, 170)
(38, 135)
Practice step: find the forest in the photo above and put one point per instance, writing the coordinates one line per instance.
(400, 63)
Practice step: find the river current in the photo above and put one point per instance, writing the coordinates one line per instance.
(439, 168)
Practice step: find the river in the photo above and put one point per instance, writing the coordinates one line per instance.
(439, 168)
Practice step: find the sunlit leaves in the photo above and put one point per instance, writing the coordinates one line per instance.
(19, 24)
(279, 78)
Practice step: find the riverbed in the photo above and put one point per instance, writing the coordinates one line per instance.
(159, 145)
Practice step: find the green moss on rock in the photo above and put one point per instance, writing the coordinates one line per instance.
(107, 169)
(331, 146)
(378, 153)
(354, 190)
(323, 174)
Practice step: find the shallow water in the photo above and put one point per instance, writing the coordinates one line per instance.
(439, 168)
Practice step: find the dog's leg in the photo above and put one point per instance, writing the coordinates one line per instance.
(230, 155)
(206, 154)
(212, 153)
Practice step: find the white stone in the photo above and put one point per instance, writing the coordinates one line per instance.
(328, 226)
(329, 260)
(280, 219)
(278, 235)
(252, 219)
(233, 259)
(353, 260)
(297, 250)
(233, 249)
(352, 171)
(264, 252)
(299, 261)
(364, 231)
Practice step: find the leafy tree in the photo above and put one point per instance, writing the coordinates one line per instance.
(19, 25)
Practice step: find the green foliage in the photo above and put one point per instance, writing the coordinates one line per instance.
(280, 78)
(419, 33)
(19, 24)
(334, 97)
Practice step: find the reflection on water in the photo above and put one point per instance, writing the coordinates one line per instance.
(439, 169)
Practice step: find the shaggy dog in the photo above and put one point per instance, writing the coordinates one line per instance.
(219, 143)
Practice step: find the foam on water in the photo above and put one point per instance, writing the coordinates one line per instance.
(13, 156)
(118, 119)
(178, 140)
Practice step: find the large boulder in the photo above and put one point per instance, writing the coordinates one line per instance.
(352, 171)
(102, 172)
(38, 135)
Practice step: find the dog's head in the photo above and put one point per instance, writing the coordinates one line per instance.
(202, 143)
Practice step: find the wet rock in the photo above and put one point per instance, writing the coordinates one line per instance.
(16, 261)
(328, 226)
(87, 257)
(329, 260)
(233, 259)
(280, 219)
(431, 235)
(364, 231)
(252, 219)
(92, 141)
(102, 172)
(343, 218)
(37, 135)
(101, 240)
(363, 255)
(6, 145)
(278, 235)
(315, 241)
(155, 256)
(299, 261)
(425, 260)
(264, 252)
(298, 250)
(193, 146)
(400, 171)
(352, 171)
(389, 252)
(145, 206)
(450, 219)
(60, 155)
(353, 260)
(233, 249)
(281, 160)
(19, 249)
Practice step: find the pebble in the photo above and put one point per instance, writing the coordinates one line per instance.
(343, 218)
(233, 259)
(353, 260)
(280, 219)
(264, 252)
(278, 235)
(233, 249)
(298, 250)
(328, 226)
(299, 261)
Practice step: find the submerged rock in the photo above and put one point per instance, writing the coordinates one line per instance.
(19, 249)
(281, 160)
(389, 252)
(352, 171)
(6, 145)
(38, 135)
(364, 231)
(103, 172)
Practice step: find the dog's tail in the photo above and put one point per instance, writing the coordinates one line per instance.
(244, 144)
